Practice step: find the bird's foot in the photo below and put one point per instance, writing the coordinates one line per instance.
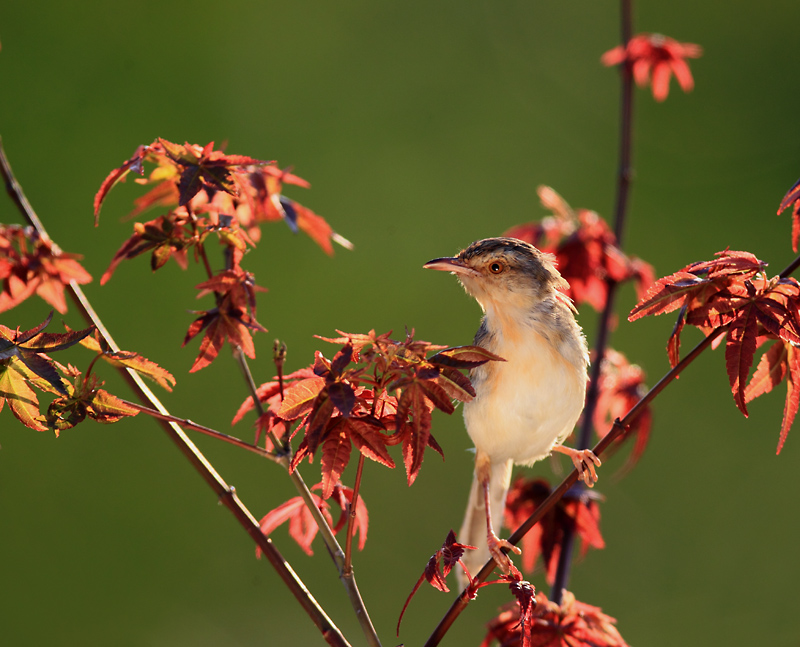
(496, 546)
(584, 461)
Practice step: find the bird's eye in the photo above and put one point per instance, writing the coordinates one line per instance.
(496, 267)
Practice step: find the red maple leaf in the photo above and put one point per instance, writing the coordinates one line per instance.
(263, 201)
(781, 361)
(302, 526)
(31, 265)
(373, 385)
(202, 167)
(654, 59)
(732, 291)
(228, 195)
(231, 320)
(572, 624)
(118, 175)
(167, 236)
(581, 514)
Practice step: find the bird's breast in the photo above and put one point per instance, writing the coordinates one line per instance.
(530, 402)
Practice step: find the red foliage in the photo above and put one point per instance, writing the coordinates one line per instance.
(201, 180)
(231, 320)
(654, 59)
(732, 291)
(581, 515)
(585, 250)
(211, 194)
(30, 264)
(373, 394)
(572, 624)
(303, 528)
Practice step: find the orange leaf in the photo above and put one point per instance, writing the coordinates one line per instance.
(667, 294)
(107, 408)
(20, 397)
(299, 398)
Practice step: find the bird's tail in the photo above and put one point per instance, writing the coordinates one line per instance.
(473, 530)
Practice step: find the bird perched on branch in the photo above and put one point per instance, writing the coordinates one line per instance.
(525, 407)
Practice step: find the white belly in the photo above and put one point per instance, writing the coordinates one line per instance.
(526, 405)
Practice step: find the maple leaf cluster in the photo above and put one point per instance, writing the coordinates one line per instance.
(571, 624)
(30, 264)
(620, 386)
(733, 292)
(302, 525)
(211, 194)
(585, 250)
(654, 59)
(374, 393)
(579, 514)
(25, 365)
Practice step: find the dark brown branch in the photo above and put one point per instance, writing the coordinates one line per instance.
(624, 178)
(225, 493)
(208, 431)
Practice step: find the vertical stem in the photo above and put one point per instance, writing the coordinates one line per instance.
(624, 177)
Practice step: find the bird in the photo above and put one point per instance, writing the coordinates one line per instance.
(526, 406)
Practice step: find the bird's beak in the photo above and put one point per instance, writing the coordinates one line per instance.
(454, 265)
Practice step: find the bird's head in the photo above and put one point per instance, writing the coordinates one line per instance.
(503, 272)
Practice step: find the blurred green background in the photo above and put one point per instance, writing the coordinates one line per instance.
(422, 127)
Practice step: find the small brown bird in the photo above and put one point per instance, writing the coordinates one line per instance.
(525, 407)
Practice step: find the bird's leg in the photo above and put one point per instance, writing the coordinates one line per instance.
(584, 461)
(496, 545)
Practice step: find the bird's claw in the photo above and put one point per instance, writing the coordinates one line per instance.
(585, 461)
(496, 546)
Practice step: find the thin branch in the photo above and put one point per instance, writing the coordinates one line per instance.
(225, 493)
(208, 431)
(345, 574)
